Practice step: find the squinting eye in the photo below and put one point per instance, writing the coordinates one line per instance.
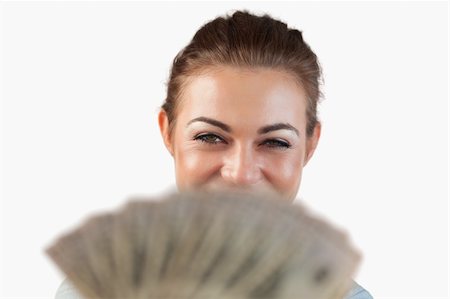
(277, 143)
(209, 138)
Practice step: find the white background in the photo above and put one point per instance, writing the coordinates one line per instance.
(82, 83)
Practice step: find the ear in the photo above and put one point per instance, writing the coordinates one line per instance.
(311, 142)
(163, 123)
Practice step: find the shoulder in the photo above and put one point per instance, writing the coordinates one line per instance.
(358, 292)
(67, 291)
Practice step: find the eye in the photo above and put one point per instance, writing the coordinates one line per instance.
(276, 143)
(209, 138)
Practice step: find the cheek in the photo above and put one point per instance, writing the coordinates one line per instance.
(285, 172)
(194, 167)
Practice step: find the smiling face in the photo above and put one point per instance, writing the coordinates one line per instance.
(240, 129)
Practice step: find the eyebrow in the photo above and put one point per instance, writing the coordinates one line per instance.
(211, 121)
(276, 127)
(263, 130)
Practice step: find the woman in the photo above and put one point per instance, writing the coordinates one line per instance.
(240, 111)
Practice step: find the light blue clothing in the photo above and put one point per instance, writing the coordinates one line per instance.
(67, 291)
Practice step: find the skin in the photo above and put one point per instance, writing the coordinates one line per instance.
(240, 129)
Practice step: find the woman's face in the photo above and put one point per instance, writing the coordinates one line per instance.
(240, 129)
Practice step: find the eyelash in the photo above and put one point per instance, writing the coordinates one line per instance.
(272, 143)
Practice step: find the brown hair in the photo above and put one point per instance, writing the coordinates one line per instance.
(246, 40)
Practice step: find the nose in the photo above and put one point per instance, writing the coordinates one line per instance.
(240, 167)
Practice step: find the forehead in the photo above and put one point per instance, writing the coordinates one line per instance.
(256, 95)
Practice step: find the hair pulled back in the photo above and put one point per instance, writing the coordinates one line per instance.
(246, 40)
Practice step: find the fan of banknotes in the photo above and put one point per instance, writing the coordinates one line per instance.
(206, 246)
